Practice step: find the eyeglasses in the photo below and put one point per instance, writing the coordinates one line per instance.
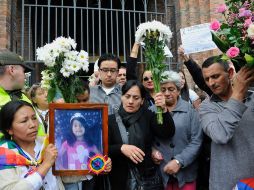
(147, 78)
(111, 70)
(170, 90)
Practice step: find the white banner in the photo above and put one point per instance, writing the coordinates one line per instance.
(197, 38)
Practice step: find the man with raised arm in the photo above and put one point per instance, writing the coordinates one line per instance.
(227, 118)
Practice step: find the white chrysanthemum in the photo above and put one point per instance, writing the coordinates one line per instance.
(65, 72)
(56, 50)
(62, 51)
(43, 52)
(71, 66)
(46, 54)
(50, 62)
(40, 53)
(75, 66)
(71, 55)
(85, 67)
(82, 57)
(165, 32)
(72, 43)
(66, 44)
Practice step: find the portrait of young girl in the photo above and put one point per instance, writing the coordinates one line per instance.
(78, 144)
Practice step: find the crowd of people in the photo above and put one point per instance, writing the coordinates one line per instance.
(201, 145)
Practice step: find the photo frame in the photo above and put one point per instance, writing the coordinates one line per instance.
(79, 131)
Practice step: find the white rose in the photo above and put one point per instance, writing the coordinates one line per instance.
(250, 31)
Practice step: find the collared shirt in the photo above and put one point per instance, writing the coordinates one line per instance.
(113, 99)
(230, 126)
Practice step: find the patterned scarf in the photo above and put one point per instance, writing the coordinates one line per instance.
(11, 155)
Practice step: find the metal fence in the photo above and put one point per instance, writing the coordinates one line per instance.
(98, 26)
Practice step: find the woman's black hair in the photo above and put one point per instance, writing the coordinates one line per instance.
(185, 90)
(71, 138)
(85, 85)
(7, 114)
(130, 83)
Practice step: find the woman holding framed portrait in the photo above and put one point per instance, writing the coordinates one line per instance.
(27, 162)
(132, 130)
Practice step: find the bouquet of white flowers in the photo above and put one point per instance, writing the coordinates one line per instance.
(155, 35)
(63, 63)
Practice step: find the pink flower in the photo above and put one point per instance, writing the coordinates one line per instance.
(241, 10)
(244, 13)
(221, 8)
(215, 25)
(247, 23)
(233, 52)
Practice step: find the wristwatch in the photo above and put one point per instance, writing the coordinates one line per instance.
(178, 163)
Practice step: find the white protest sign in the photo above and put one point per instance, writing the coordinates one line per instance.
(197, 38)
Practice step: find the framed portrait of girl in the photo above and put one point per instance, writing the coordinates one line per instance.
(80, 132)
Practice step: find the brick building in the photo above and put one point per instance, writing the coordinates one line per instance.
(28, 24)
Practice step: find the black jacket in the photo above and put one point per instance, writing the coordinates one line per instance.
(148, 123)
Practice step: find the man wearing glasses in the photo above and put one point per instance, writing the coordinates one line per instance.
(108, 91)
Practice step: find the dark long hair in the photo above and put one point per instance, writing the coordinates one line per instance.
(7, 115)
(185, 90)
(130, 83)
(71, 138)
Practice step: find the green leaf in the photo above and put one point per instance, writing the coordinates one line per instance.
(225, 57)
(222, 45)
(249, 59)
(51, 94)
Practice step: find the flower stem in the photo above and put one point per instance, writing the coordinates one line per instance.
(154, 54)
(157, 89)
(159, 116)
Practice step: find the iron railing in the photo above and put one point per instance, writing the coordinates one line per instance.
(98, 26)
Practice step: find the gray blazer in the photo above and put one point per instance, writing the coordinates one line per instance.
(185, 144)
(230, 125)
